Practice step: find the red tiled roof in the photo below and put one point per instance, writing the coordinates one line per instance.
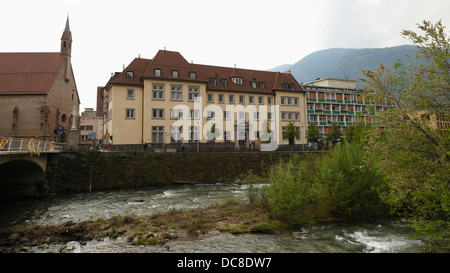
(28, 73)
(168, 61)
(138, 66)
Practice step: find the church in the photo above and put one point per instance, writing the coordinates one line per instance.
(38, 93)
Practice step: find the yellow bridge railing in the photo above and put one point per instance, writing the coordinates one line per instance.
(30, 145)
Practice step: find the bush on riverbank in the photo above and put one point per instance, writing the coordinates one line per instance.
(344, 184)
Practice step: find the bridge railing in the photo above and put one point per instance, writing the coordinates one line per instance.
(31, 145)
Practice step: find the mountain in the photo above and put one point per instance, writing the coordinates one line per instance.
(343, 63)
(281, 68)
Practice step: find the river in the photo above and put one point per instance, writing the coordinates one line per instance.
(381, 235)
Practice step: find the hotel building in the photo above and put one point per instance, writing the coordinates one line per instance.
(330, 100)
(168, 99)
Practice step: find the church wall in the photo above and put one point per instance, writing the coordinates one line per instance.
(21, 115)
(62, 98)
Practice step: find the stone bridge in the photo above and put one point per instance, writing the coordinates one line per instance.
(23, 165)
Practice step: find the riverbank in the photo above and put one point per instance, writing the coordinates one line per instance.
(156, 229)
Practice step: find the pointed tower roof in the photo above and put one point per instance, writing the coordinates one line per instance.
(67, 34)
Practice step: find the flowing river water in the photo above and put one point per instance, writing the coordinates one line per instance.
(381, 235)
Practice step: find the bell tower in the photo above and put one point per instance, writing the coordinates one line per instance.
(66, 40)
(66, 48)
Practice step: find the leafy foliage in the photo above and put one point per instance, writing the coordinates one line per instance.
(413, 151)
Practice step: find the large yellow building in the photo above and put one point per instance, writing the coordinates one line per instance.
(167, 99)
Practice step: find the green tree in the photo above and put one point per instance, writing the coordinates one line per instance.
(335, 133)
(291, 133)
(312, 133)
(414, 154)
(212, 133)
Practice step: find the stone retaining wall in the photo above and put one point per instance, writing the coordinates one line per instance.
(86, 171)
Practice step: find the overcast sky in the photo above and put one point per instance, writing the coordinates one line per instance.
(253, 34)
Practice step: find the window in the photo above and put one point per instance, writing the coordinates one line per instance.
(289, 101)
(130, 75)
(270, 116)
(313, 118)
(262, 85)
(237, 80)
(194, 133)
(176, 133)
(158, 113)
(231, 99)
(175, 73)
(213, 81)
(224, 82)
(261, 100)
(256, 115)
(157, 134)
(158, 92)
(210, 97)
(176, 92)
(129, 113)
(221, 99)
(241, 115)
(253, 84)
(192, 75)
(269, 100)
(251, 100)
(130, 94)
(176, 113)
(287, 116)
(194, 114)
(291, 86)
(241, 99)
(193, 92)
(226, 115)
(158, 72)
(227, 136)
(211, 115)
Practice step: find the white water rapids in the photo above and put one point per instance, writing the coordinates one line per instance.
(381, 235)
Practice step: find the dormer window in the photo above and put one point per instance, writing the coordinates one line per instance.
(130, 75)
(175, 73)
(291, 86)
(262, 85)
(213, 81)
(224, 82)
(253, 84)
(158, 72)
(237, 80)
(192, 75)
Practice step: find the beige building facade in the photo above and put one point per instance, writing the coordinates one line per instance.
(91, 127)
(169, 100)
